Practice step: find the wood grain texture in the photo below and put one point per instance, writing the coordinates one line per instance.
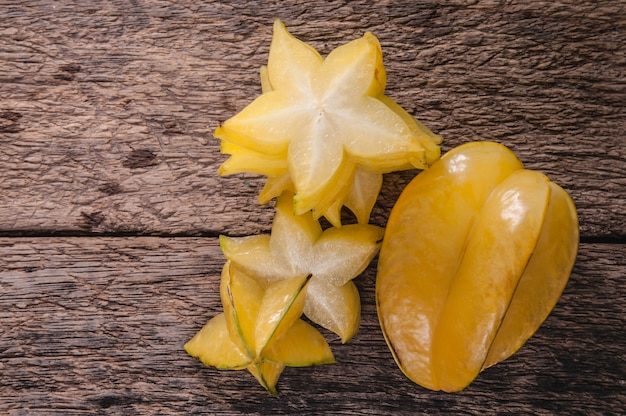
(106, 117)
(97, 325)
(107, 109)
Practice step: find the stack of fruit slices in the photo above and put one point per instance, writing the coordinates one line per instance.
(324, 129)
(323, 133)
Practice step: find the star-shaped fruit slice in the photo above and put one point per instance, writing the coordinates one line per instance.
(326, 117)
(360, 199)
(358, 195)
(260, 329)
(298, 246)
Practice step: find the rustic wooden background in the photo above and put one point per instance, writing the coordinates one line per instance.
(110, 205)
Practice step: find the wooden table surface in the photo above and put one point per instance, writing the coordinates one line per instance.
(110, 204)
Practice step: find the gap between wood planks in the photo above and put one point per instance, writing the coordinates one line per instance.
(204, 234)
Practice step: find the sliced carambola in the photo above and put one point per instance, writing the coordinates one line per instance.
(214, 347)
(324, 118)
(299, 246)
(282, 306)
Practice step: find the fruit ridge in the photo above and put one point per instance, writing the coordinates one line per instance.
(476, 253)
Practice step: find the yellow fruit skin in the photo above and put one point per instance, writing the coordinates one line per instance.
(461, 283)
(282, 306)
(260, 329)
(241, 298)
(497, 251)
(214, 347)
(294, 353)
(426, 232)
(544, 278)
(267, 374)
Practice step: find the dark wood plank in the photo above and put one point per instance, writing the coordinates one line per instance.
(107, 110)
(97, 325)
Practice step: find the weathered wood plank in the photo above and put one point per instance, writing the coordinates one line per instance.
(107, 110)
(106, 115)
(96, 326)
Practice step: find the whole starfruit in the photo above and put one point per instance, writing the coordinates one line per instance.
(476, 253)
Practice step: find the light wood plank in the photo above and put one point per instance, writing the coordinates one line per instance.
(107, 110)
(97, 325)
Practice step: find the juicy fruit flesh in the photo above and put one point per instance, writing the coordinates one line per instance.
(318, 121)
(299, 246)
(242, 299)
(214, 346)
(281, 307)
(458, 242)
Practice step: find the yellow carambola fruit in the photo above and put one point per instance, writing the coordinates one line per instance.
(260, 329)
(476, 254)
(298, 246)
(320, 120)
